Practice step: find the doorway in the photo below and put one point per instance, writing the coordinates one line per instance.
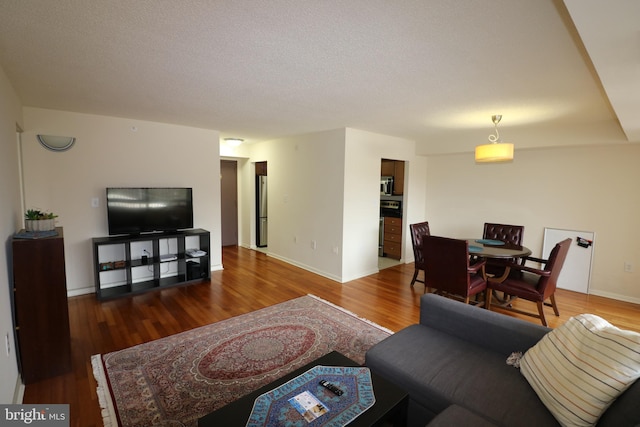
(390, 236)
(229, 202)
(261, 205)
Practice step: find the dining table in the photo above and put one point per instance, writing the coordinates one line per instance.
(497, 249)
(489, 248)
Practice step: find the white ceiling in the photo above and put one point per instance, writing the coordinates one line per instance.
(433, 71)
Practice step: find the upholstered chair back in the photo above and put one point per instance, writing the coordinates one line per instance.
(504, 232)
(447, 268)
(547, 284)
(418, 231)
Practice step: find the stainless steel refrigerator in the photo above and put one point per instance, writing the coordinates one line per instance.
(261, 211)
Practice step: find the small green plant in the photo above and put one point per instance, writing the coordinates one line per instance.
(36, 214)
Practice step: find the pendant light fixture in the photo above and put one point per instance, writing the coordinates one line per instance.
(495, 151)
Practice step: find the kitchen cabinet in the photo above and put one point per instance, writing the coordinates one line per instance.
(40, 310)
(392, 241)
(261, 168)
(398, 178)
(387, 167)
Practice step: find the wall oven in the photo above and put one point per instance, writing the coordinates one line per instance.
(391, 208)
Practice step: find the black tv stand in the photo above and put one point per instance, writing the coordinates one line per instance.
(132, 264)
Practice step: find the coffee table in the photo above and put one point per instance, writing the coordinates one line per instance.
(390, 407)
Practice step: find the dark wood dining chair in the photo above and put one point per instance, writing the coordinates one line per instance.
(418, 230)
(536, 285)
(448, 268)
(507, 233)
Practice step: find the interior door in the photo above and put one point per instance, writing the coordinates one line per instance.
(229, 201)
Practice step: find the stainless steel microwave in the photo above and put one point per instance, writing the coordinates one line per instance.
(386, 185)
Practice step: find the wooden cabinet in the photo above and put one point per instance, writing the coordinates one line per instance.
(398, 178)
(40, 310)
(387, 167)
(392, 241)
(261, 168)
(125, 265)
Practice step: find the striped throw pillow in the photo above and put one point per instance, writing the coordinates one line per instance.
(580, 368)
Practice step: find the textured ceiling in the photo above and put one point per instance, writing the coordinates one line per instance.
(433, 71)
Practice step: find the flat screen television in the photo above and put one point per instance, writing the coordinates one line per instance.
(146, 210)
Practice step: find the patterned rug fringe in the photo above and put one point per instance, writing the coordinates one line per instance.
(109, 418)
(350, 313)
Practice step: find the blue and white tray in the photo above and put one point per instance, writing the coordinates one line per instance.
(274, 409)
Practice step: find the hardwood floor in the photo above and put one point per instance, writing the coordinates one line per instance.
(250, 280)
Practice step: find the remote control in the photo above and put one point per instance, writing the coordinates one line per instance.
(329, 386)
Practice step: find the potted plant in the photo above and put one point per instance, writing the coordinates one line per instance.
(37, 220)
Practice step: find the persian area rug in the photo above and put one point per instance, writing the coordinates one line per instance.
(175, 380)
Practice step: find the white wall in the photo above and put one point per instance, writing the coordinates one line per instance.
(580, 188)
(10, 220)
(305, 188)
(364, 152)
(324, 187)
(111, 152)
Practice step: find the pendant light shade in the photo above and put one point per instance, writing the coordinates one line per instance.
(495, 151)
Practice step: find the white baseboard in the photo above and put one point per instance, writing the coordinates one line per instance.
(311, 269)
(81, 291)
(306, 267)
(612, 295)
(18, 394)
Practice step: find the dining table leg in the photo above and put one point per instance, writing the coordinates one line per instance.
(505, 299)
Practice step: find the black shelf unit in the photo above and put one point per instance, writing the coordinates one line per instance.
(127, 265)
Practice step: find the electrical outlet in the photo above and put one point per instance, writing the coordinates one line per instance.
(95, 202)
(314, 245)
(7, 344)
(628, 267)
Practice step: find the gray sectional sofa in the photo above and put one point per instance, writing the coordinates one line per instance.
(453, 364)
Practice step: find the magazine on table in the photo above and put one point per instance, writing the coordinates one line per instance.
(309, 406)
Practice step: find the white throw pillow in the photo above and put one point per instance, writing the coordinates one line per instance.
(581, 367)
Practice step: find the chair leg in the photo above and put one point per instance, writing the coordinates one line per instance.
(415, 276)
(487, 298)
(541, 313)
(554, 305)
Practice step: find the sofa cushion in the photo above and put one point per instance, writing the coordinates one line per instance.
(438, 369)
(458, 416)
(624, 410)
(493, 331)
(581, 367)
